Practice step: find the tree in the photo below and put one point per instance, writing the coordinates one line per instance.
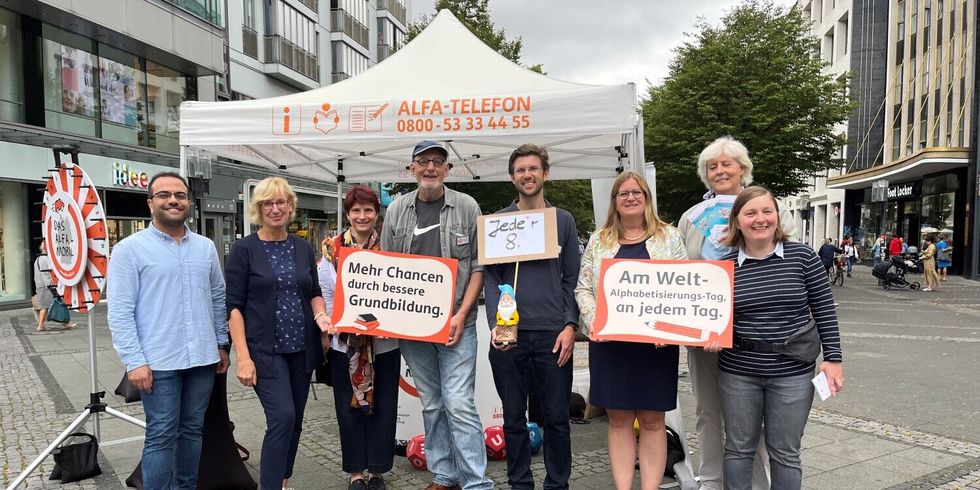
(572, 195)
(758, 78)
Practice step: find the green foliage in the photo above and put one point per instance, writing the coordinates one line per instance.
(756, 77)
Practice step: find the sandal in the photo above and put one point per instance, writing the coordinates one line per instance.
(69, 326)
(41, 329)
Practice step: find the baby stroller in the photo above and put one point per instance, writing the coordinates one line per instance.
(912, 261)
(891, 274)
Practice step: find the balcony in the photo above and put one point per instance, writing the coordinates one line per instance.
(396, 9)
(384, 51)
(341, 21)
(250, 42)
(338, 77)
(309, 3)
(279, 50)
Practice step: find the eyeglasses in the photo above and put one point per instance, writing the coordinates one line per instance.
(624, 195)
(424, 162)
(165, 195)
(281, 204)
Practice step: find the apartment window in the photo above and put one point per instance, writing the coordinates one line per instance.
(817, 11)
(949, 117)
(11, 68)
(827, 51)
(901, 20)
(249, 13)
(347, 61)
(923, 121)
(910, 126)
(939, 23)
(961, 118)
(927, 13)
(899, 81)
(925, 72)
(843, 35)
(166, 88)
(914, 21)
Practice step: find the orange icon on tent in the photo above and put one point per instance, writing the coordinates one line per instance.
(287, 119)
(326, 119)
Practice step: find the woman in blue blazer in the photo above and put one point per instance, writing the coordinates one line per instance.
(275, 316)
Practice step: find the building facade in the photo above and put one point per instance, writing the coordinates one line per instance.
(112, 80)
(921, 184)
(817, 210)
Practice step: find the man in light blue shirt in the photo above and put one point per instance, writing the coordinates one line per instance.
(168, 322)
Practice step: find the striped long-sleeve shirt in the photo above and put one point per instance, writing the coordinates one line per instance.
(775, 297)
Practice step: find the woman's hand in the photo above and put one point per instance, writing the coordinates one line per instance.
(835, 375)
(325, 325)
(246, 373)
(713, 346)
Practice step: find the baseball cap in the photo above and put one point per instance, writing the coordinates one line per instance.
(429, 145)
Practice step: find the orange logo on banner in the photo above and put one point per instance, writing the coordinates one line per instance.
(326, 119)
(287, 119)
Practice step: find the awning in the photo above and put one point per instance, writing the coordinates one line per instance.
(928, 161)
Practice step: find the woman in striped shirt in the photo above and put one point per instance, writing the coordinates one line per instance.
(780, 287)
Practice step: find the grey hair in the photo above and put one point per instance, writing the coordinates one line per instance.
(726, 145)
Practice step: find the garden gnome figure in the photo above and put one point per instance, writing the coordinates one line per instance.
(507, 316)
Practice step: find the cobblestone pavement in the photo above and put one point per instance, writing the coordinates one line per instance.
(847, 445)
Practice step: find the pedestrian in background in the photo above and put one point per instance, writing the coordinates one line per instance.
(850, 254)
(44, 299)
(763, 389)
(167, 317)
(928, 259)
(632, 381)
(365, 369)
(725, 168)
(944, 256)
(878, 249)
(274, 310)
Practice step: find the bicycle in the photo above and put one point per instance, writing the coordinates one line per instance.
(836, 276)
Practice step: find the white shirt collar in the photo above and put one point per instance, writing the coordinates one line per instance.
(742, 255)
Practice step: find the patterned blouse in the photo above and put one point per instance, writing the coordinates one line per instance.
(667, 246)
(289, 308)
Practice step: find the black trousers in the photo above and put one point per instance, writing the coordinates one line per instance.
(283, 399)
(367, 441)
(512, 372)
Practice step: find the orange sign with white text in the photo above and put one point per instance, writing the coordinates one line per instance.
(395, 295)
(683, 302)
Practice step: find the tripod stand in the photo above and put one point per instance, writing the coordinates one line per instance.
(96, 406)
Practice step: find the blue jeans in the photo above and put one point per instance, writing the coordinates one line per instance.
(512, 373)
(783, 404)
(283, 397)
(445, 378)
(174, 426)
(850, 263)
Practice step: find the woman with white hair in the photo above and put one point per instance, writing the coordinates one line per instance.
(725, 168)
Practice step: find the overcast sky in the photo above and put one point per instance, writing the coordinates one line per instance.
(600, 42)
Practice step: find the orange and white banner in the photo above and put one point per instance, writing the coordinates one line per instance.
(685, 302)
(394, 295)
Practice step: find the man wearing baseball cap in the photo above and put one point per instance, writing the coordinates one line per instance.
(440, 222)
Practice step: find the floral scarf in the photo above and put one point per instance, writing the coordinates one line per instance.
(360, 348)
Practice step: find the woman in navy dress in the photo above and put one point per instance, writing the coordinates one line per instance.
(275, 317)
(632, 381)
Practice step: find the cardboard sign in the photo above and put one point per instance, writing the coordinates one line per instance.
(684, 302)
(518, 236)
(394, 295)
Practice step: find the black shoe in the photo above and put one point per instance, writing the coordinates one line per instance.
(377, 483)
(357, 484)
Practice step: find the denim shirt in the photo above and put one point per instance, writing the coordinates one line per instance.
(457, 233)
(166, 301)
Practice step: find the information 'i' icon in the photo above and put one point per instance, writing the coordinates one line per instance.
(286, 119)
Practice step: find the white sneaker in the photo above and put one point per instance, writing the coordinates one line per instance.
(927, 289)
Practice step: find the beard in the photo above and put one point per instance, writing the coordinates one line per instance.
(169, 220)
(506, 310)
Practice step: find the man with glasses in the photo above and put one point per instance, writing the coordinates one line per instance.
(440, 222)
(170, 336)
(548, 321)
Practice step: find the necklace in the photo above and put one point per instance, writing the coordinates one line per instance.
(637, 237)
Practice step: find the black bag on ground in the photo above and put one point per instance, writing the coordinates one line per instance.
(675, 452)
(76, 461)
(128, 390)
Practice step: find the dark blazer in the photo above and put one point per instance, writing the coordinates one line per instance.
(251, 288)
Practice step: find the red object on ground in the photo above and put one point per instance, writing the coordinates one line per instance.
(415, 452)
(494, 438)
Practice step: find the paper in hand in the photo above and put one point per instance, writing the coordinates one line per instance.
(823, 387)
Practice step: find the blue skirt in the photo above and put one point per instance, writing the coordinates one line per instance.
(633, 376)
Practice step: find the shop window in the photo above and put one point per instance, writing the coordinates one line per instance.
(165, 90)
(11, 68)
(70, 89)
(121, 95)
(15, 244)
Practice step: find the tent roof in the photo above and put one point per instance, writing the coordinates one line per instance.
(445, 85)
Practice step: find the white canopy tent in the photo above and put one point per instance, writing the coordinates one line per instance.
(445, 85)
